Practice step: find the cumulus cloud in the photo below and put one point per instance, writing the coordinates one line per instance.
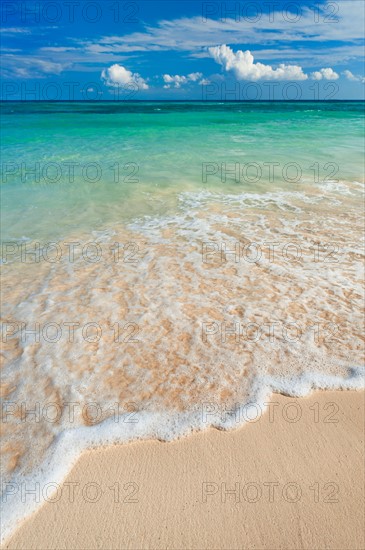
(354, 78)
(117, 75)
(325, 74)
(194, 76)
(244, 68)
(176, 81)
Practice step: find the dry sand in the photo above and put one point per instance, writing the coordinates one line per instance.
(298, 485)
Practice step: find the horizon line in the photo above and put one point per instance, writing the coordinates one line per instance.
(180, 100)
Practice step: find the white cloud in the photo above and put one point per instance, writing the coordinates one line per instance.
(354, 78)
(325, 74)
(177, 81)
(204, 82)
(194, 76)
(17, 66)
(196, 33)
(58, 49)
(15, 30)
(348, 74)
(343, 40)
(306, 57)
(244, 68)
(117, 75)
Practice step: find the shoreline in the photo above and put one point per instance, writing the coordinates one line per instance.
(258, 486)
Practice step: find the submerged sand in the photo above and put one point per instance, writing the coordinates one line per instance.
(292, 479)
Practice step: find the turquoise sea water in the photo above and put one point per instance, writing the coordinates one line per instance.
(97, 163)
(240, 273)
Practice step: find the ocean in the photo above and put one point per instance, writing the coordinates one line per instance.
(167, 266)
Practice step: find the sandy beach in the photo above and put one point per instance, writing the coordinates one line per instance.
(293, 478)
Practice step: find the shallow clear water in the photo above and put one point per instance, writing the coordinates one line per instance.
(98, 163)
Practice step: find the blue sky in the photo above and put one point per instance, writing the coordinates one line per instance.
(114, 49)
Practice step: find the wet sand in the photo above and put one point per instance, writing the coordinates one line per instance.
(292, 479)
